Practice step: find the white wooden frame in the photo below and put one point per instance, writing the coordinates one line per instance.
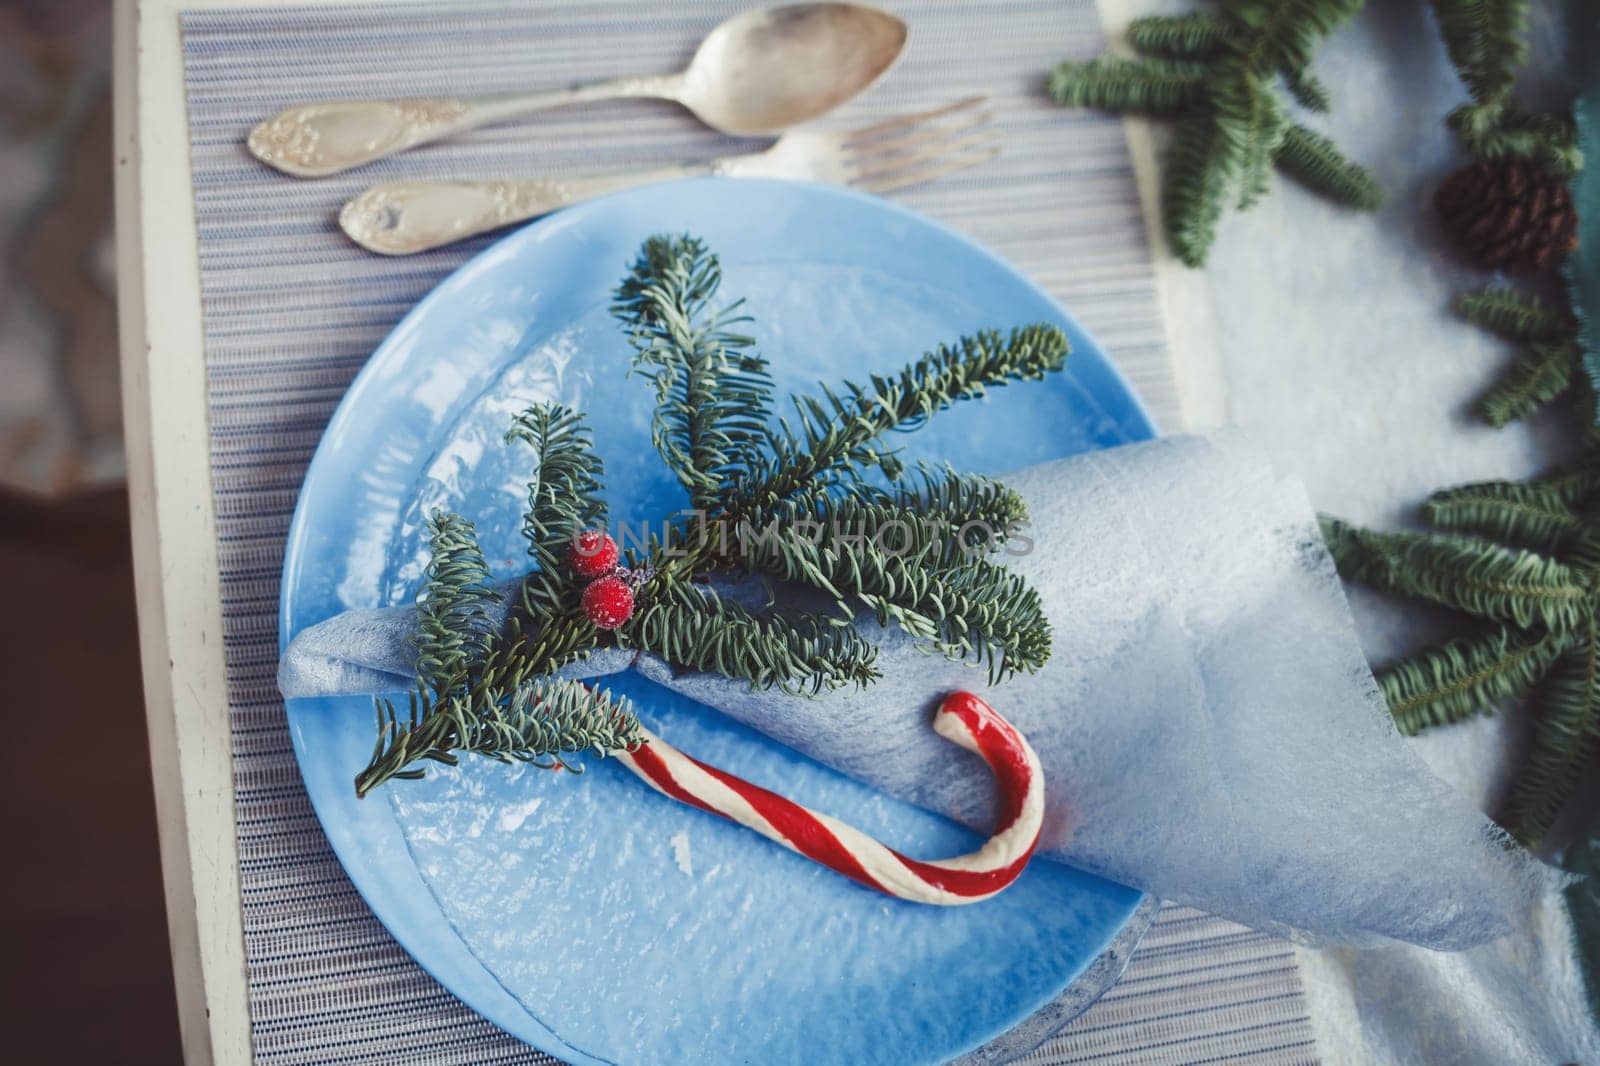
(174, 520)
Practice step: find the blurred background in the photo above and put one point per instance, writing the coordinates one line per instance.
(82, 919)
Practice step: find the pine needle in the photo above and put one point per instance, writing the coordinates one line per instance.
(1196, 35)
(1528, 515)
(1307, 90)
(1541, 373)
(713, 395)
(1468, 573)
(1516, 316)
(1252, 126)
(454, 628)
(835, 436)
(1198, 171)
(692, 627)
(1462, 678)
(1565, 741)
(1485, 42)
(543, 722)
(1142, 86)
(564, 489)
(1316, 162)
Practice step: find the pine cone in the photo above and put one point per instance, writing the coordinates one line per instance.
(1508, 214)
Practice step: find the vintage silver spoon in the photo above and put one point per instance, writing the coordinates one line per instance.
(757, 73)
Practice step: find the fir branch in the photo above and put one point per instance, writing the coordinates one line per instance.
(1546, 603)
(1463, 678)
(1198, 170)
(1308, 91)
(1484, 39)
(817, 540)
(1531, 516)
(929, 583)
(1316, 162)
(981, 612)
(1515, 316)
(552, 630)
(1497, 131)
(1218, 75)
(1251, 125)
(1283, 33)
(454, 624)
(477, 690)
(1565, 740)
(836, 435)
(713, 395)
(1112, 83)
(1196, 35)
(1467, 573)
(691, 626)
(543, 722)
(961, 500)
(564, 492)
(1541, 373)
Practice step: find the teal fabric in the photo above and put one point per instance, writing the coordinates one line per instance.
(1583, 282)
(1583, 268)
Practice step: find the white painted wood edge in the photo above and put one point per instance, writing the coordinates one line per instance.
(174, 533)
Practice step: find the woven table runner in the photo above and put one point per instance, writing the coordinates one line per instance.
(292, 310)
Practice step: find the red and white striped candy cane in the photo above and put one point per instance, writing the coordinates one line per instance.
(962, 718)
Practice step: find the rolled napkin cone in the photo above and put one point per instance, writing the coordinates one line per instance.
(1209, 729)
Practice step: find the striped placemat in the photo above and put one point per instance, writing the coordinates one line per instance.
(292, 311)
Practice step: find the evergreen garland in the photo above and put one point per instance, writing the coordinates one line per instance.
(1549, 364)
(1217, 74)
(1486, 42)
(1521, 558)
(900, 548)
(1524, 559)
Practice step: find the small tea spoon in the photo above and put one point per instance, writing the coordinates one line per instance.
(757, 73)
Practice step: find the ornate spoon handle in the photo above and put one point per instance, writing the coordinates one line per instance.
(402, 217)
(315, 140)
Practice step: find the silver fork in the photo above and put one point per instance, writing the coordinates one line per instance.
(402, 217)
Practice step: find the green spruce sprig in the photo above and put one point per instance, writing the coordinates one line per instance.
(1487, 44)
(563, 499)
(476, 692)
(1550, 361)
(912, 549)
(1217, 73)
(1523, 558)
(713, 395)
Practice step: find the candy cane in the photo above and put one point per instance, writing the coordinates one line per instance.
(962, 718)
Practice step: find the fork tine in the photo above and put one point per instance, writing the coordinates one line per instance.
(942, 150)
(902, 179)
(915, 137)
(902, 121)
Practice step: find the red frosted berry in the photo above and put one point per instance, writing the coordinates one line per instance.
(593, 553)
(608, 602)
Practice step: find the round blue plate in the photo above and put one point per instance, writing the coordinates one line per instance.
(589, 916)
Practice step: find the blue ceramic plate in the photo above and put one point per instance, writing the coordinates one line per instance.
(589, 916)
